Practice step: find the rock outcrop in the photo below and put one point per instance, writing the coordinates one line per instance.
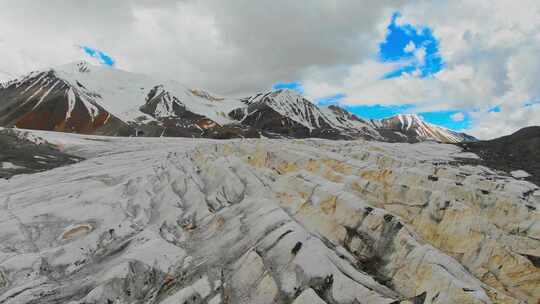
(21, 155)
(517, 153)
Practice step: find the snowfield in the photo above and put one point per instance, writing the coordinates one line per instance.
(177, 220)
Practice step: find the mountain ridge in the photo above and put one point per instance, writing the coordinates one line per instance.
(414, 128)
(510, 153)
(83, 98)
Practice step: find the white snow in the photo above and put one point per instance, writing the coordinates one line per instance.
(290, 104)
(4, 78)
(201, 288)
(345, 123)
(33, 95)
(71, 102)
(9, 165)
(466, 155)
(31, 135)
(123, 93)
(215, 300)
(92, 109)
(38, 80)
(519, 174)
(424, 130)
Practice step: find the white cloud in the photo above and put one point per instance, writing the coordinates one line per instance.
(495, 124)
(490, 57)
(459, 116)
(236, 48)
(420, 55)
(5, 77)
(409, 47)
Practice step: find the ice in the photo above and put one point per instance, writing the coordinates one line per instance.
(152, 220)
(520, 174)
(9, 165)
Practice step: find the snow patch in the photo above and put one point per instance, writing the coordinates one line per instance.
(9, 166)
(519, 174)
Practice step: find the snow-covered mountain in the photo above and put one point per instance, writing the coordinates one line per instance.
(44, 100)
(90, 99)
(350, 123)
(411, 128)
(287, 113)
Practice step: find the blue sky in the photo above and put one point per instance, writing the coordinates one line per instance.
(415, 50)
(403, 42)
(101, 56)
(379, 111)
(443, 118)
(495, 109)
(296, 86)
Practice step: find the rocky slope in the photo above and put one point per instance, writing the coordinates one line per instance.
(517, 153)
(284, 113)
(149, 220)
(88, 99)
(20, 155)
(45, 101)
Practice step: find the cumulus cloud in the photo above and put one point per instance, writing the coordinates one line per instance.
(495, 124)
(237, 47)
(410, 47)
(420, 55)
(490, 59)
(459, 116)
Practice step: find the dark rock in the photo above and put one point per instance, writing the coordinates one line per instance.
(518, 151)
(433, 178)
(29, 157)
(296, 248)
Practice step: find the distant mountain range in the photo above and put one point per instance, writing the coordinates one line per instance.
(88, 99)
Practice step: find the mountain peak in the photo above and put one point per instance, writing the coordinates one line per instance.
(416, 129)
(409, 115)
(291, 105)
(409, 119)
(83, 67)
(79, 66)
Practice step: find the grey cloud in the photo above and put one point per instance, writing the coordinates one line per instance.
(231, 47)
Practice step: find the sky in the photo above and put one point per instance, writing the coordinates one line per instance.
(468, 65)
